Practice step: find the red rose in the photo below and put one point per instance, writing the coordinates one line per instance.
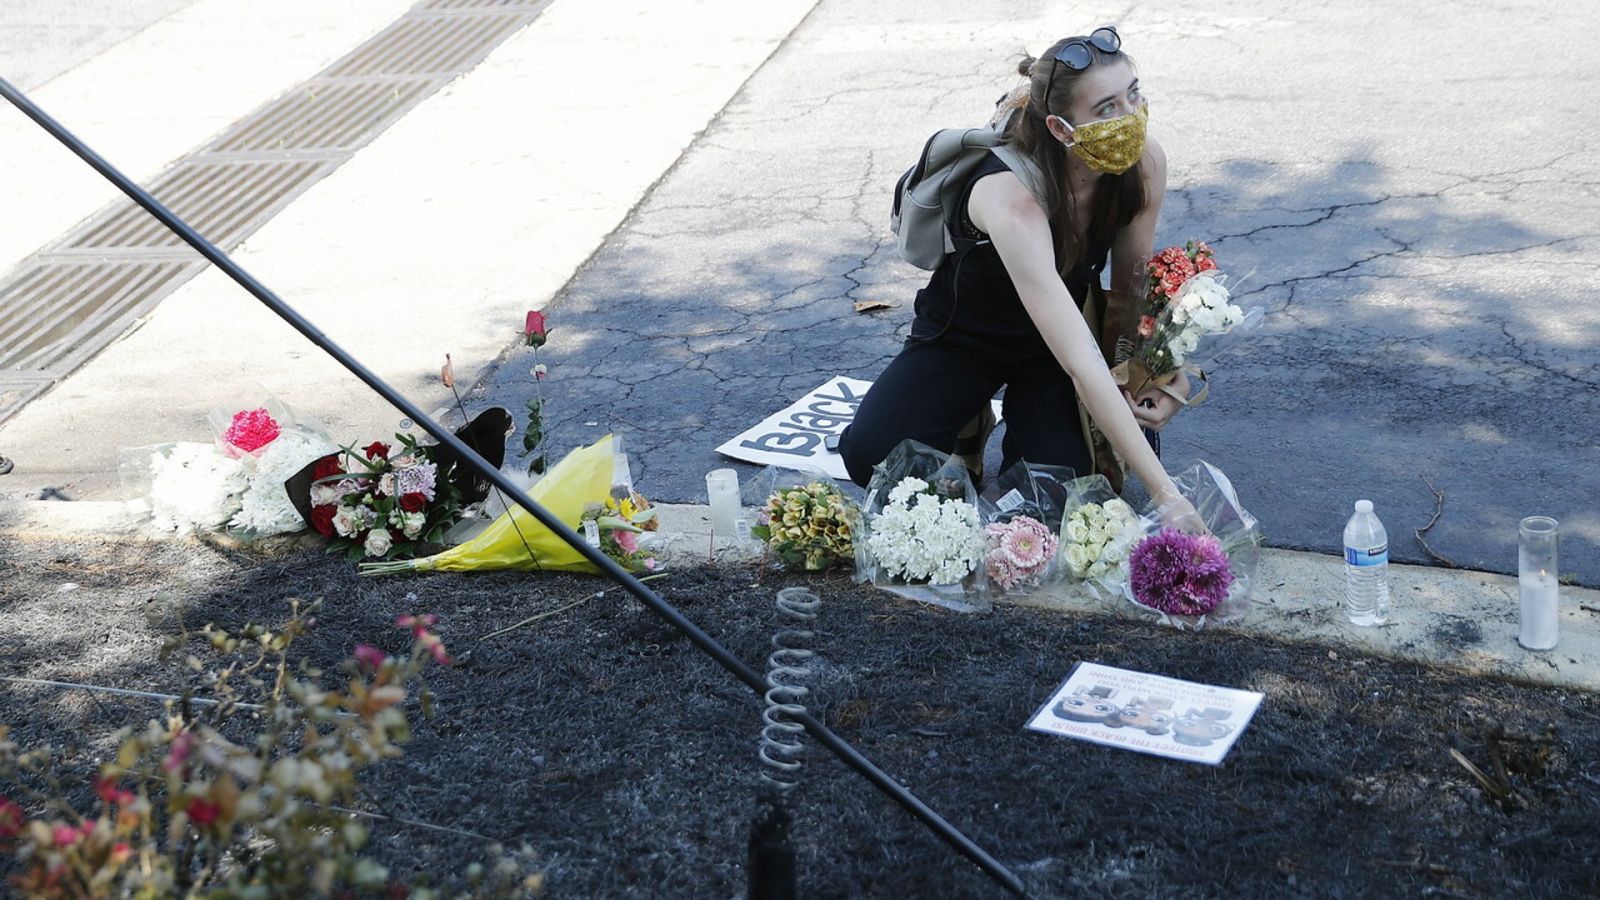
(376, 450)
(322, 519)
(1204, 264)
(413, 502)
(1147, 326)
(534, 330)
(326, 466)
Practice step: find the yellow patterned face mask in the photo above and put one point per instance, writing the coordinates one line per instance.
(1112, 145)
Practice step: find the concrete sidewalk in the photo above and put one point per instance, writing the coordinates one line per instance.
(1459, 619)
(436, 238)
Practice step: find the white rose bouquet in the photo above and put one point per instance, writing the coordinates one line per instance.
(1098, 534)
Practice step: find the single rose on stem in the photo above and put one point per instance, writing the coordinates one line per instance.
(534, 332)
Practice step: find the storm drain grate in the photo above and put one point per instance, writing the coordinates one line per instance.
(479, 4)
(325, 116)
(430, 45)
(69, 301)
(58, 312)
(223, 201)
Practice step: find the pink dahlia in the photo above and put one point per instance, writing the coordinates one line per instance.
(1181, 574)
(251, 430)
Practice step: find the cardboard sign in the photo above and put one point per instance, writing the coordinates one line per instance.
(795, 437)
(1147, 713)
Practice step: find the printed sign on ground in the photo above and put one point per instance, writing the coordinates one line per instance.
(1147, 713)
(796, 436)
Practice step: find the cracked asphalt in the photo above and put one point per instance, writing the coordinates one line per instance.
(1413, 194)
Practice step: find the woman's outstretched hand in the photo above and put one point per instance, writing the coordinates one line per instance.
(1176, 511)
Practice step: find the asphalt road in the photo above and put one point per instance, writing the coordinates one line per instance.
(1419, 224)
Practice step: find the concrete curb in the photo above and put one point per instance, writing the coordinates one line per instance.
(1455, 618)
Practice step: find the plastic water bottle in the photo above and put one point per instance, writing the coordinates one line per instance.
(1366, 567)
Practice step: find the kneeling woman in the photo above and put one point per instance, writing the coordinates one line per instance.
(1018, 322)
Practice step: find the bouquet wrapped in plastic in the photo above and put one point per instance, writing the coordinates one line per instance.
(1187, 301)
(1097, 534)
(1022, 512)
(1192, 578)
(578, 487)
(920, 534)
(803, 518)
(191, 486)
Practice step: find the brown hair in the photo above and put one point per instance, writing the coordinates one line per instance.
(1118, 197)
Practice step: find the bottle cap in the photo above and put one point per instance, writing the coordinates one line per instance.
(1363, 506)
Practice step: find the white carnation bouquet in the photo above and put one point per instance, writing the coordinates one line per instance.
(265, 509)
(921, 535)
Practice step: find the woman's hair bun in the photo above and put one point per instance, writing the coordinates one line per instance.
(1025, 66)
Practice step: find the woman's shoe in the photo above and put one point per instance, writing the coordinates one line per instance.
(973, 439)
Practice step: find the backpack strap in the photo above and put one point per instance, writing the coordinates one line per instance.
(1023, 166)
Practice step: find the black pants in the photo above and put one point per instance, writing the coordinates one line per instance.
(936, 386)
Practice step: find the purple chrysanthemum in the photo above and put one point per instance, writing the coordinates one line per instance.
(1181, 574)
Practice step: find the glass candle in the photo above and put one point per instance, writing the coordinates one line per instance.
(1536, 578)
(722, 486)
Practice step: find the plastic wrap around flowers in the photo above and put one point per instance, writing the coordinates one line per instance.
(920, 536)
(1190, 578)
(1097, 534)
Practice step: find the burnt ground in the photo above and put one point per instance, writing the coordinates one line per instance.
(626, 760)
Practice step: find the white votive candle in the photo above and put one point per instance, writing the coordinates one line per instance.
(1536, 580)
(722, 487)
(1540, 600)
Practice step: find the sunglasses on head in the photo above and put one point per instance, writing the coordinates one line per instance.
(1076, 55)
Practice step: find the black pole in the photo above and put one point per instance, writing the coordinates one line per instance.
(704, 642)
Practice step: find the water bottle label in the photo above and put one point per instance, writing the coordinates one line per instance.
(1375, 556)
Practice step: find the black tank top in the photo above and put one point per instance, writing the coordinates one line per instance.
(972, 297)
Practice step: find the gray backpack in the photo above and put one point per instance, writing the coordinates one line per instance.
(927, 194)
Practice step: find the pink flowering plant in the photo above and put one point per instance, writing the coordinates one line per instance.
(250, 796)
